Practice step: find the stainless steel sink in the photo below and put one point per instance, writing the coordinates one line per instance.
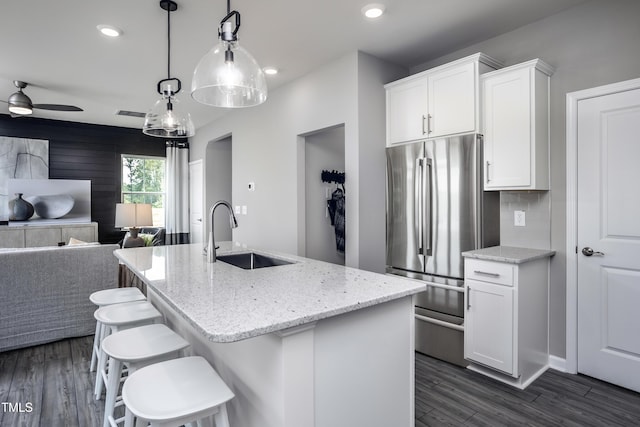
(251, 260)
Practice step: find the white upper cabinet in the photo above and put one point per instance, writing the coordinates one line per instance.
(438, 102)
(452, 94)
(515, 108)
(407, 111)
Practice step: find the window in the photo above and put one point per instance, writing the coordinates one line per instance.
(143, 182)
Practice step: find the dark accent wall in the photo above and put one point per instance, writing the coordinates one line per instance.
(86, 151)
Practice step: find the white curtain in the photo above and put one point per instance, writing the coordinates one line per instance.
(177, 202)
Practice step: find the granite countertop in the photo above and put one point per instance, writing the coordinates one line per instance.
(509, 254)
(226, 303)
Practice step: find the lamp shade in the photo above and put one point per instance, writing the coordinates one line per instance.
(167, 119)
(228, 76)
(133, 215)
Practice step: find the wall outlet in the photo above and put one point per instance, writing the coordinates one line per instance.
(237, 210)
(519, 218)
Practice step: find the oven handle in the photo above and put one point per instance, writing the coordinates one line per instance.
(447, 287)
(440, 322)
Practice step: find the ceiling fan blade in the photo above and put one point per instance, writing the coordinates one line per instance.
(57, 107)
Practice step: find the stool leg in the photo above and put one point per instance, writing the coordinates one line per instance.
(102, 363)
(221, 417)
(113, 381)
(96, 345)
(128, 418)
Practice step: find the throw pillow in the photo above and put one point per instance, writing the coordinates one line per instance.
(74, 241)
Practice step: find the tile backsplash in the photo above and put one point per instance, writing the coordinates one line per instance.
(536, 205)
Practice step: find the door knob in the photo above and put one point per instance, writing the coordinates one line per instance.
(587, 251)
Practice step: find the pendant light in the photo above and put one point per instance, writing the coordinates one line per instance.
(166, 119)
(228, 76)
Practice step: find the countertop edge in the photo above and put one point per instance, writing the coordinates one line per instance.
(239, 336)
(509, 254)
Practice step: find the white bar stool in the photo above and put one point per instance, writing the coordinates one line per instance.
(136, 348)
(176, 392)
(117, 317)
(108, 297)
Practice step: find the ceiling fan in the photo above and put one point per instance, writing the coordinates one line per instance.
(20, 104)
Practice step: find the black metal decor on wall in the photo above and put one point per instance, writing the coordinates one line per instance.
(87, 151)
(336, 206)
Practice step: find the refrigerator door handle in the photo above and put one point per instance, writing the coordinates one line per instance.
(427, 205)
(419, 212)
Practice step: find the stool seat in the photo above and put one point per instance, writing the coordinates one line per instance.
(114, 318)
(116, 296)
(142, 343)
(177, 391)
(108, 297)
(136, 348)
(127, 313)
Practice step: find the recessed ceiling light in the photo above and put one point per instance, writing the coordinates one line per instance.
(373, 10)
(270, 71)
(109, 31)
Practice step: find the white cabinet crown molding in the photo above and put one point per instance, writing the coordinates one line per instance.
(479, 57)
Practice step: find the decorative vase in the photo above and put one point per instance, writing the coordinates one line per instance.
(52, 206)
(20, 209)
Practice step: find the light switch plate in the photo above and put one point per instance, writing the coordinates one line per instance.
(237, 210)
(519, 218)
(244, 209)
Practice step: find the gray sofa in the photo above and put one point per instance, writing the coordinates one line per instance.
(44, 292)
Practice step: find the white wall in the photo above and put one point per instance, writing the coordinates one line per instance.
(266, 151)
(324, 150)
(592, 44)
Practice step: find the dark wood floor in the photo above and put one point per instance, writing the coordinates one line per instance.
(447, 395)
(54, 380)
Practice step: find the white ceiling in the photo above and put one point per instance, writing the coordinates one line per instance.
(54, 45)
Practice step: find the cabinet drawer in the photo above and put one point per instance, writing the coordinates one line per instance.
(489, 271)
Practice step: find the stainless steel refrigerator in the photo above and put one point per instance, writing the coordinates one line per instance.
(437, 209)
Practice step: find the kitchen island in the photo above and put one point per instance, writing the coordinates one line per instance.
(303, 344)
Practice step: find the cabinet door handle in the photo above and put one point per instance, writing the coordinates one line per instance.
(468, 297)
(429, 123)
(486, 273)
(487, 171)
(423, 120)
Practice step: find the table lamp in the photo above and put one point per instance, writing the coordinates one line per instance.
(133, 215)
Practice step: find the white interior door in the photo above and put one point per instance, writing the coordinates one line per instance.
(195, 202)
(609, 223)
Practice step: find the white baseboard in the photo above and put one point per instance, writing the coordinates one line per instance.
(557, 363)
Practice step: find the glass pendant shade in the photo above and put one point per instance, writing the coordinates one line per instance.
(228, 76)
(166, 119)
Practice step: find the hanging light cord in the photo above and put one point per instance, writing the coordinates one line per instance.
(171, 90)
(169, 41)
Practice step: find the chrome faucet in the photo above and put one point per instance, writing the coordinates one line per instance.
(211, 245)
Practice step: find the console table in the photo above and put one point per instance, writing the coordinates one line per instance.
(27, 236)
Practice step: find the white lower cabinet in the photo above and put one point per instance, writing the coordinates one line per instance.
(506, 319)
(489, 323)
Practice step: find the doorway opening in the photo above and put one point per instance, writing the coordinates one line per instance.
(218, 173)
(324, 150)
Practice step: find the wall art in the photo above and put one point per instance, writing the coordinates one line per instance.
(20, 158)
